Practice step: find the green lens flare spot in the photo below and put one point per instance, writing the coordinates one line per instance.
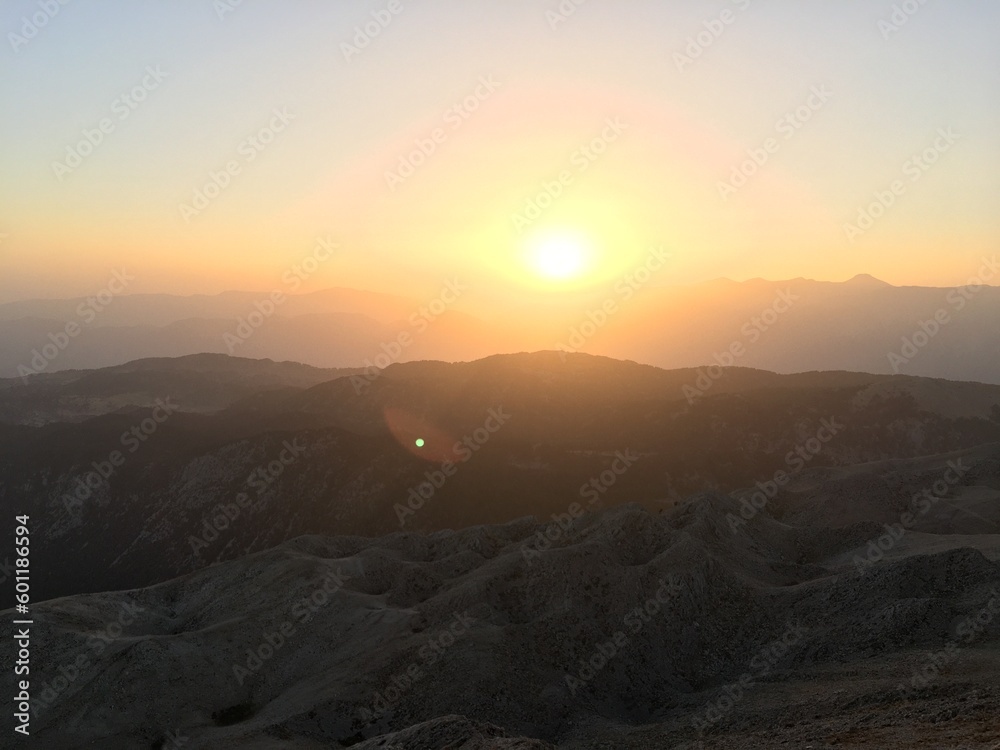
(419, 442)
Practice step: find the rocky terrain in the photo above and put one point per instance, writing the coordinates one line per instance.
(527, 551)
(620, 629)
(251, 455)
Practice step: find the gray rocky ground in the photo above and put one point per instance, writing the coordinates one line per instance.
(620, 629)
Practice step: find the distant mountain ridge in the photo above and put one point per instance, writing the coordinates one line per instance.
(798, 325)
(203, 383)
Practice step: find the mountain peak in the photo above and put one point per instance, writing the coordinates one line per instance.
(864, 279)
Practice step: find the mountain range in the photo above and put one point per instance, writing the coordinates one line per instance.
(798, 325)
(141, 472)
(526, 551)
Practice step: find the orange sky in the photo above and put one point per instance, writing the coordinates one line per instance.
(426, 154)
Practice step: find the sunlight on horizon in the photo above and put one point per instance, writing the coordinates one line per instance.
(561, 256)
(439, 170)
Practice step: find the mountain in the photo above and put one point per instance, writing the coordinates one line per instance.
(330, 328)
(202, 382)
(797, 325)
(620, 629)
(137, 496)
(525, 552)
(163, 309)
(867, 281)
(802, 325)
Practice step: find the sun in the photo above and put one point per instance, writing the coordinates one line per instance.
(559, 257)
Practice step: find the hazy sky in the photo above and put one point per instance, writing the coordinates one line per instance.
(539, 88)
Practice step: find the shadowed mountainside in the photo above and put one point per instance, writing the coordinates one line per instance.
(201, 382)
(131, 498)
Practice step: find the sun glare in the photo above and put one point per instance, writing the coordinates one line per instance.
(560, 257)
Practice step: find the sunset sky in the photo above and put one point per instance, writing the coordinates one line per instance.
(595, 108)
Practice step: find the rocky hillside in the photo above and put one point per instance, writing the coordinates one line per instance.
(143, 494)
(620, 629)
